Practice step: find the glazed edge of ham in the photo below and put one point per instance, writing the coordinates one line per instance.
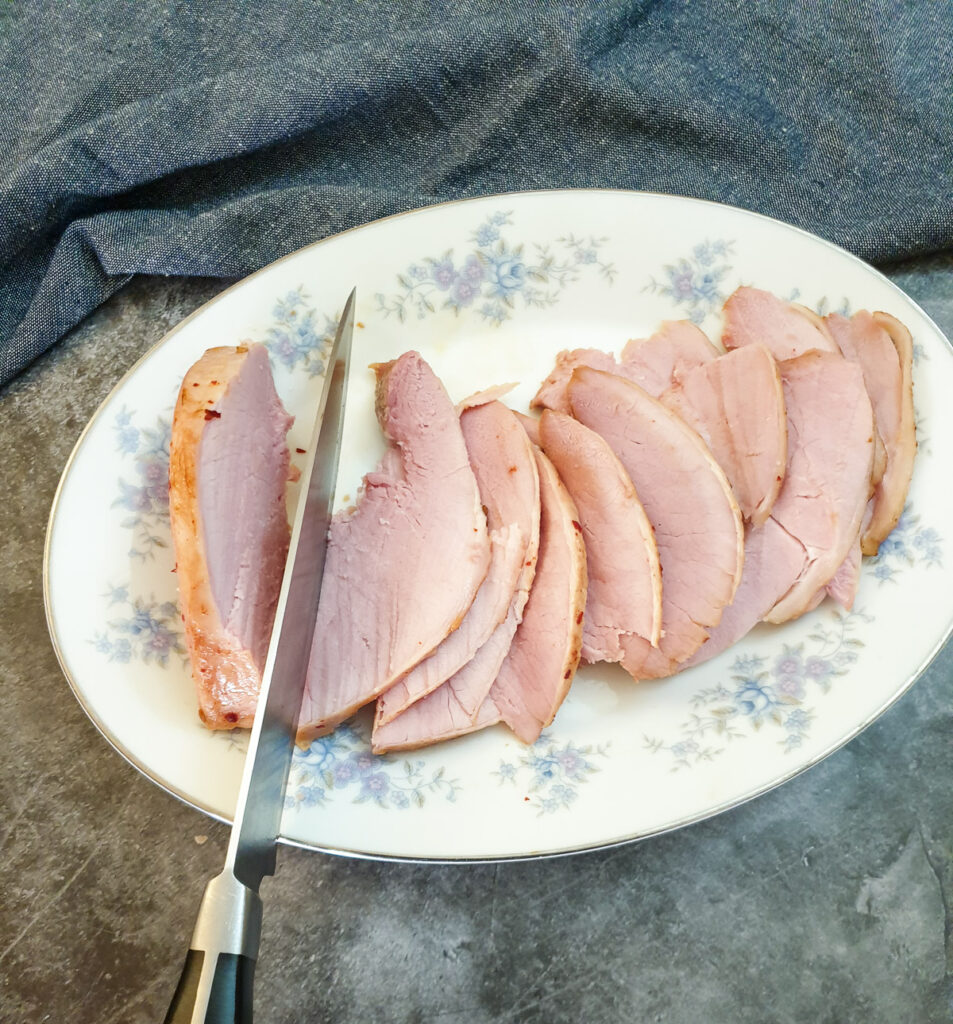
(230, 544)
(420, 516)
(622, 561)
(895, 419)
(539, 667)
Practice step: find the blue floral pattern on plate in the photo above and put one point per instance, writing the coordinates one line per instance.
(552, 772)
(146, 499)
(299, 337)
(766, 692)
(149, 631)
(695, 282)
(343, 761)
(494, 274)
(908, 544)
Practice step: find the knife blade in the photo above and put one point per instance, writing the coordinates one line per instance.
(216, 981)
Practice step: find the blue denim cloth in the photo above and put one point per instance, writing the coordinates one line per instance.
(210, 138)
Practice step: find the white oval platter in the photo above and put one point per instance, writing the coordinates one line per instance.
(489, 290)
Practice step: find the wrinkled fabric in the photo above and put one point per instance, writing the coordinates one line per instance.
(212, 138)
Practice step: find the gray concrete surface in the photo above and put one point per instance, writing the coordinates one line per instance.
(825, 901)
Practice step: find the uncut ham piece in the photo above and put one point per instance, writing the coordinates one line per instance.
(502, 461)
(689, 503)
(230, 542)
(402, 568)
(622, 563)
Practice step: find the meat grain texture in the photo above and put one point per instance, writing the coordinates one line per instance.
(402, 568)
(509, 483)
(477, 569)
(622, 563)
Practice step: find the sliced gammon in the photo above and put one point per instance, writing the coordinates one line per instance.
(882, 347)
(736, 404)
(830, 453)
(773, 559)
(688, 501)
(653, 363)
(230, 542)
(502, 461)
(538, 669)
(625, 582)
(656, 362)
(404, 566)
(753, 316)
(529, 662)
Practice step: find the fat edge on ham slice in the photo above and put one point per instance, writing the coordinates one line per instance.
(688, 501)
(230, 541)
(539, 667)
(459, 705)
(502, 461)
(624, 578)
(402, 568)
(883, 348)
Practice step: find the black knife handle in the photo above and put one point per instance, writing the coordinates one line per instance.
(230, 990)
(216, 982)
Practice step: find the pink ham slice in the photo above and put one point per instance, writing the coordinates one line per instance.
(539, 667)
(489, 608)
(882, 347)
(530, 660)
(736, 404)
(625, 581)
(824, 398)
(830, 431)
(653, 363)
(404, 567)
(773, 559)
(676, 348)
(502, 461)
(753, 316)
(230, 543)
(844, 583)
(689, 503)
(553, 393)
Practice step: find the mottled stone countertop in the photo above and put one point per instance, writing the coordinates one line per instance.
(827, 900)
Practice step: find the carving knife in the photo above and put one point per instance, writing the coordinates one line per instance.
(216, 982)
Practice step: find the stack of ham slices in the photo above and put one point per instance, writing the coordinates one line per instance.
(662, 505)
